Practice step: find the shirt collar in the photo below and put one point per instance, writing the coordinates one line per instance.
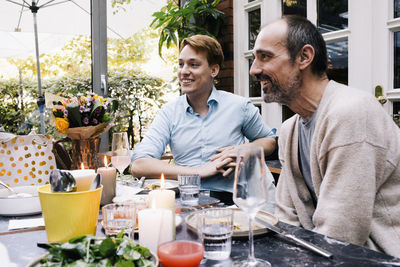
(213, 98)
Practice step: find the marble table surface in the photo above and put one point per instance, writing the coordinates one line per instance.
(279, 251)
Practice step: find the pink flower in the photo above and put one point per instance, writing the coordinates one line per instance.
(85, 120)
(60, 107)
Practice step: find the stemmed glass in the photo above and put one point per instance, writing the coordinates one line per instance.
(250, 192)
(121, 156)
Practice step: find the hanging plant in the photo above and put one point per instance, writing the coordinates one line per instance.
(194, 17)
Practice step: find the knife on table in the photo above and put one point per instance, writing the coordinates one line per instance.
(303, 243)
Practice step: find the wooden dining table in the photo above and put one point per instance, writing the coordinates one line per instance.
(279, 251)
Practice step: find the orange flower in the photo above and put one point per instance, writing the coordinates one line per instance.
(62, 124)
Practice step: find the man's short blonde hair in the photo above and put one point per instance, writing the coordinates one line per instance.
(204, 43)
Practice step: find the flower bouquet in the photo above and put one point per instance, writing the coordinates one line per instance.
(83, 119)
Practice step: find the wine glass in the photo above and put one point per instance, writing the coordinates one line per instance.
(250, 192)
(121, 156)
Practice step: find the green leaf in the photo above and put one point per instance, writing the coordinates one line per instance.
(78, 239)
(74, 115)
(107, 247)
(97, 109)
(127, 251)
(124, 263)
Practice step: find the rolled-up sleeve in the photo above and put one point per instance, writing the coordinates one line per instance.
(157, 138)
(253, 126)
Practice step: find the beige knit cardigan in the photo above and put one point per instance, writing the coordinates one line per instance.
(355, 155)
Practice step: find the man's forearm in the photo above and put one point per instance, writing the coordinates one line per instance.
(267, 143)
(152, 168)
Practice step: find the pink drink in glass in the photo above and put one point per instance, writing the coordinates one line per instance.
(180, 253)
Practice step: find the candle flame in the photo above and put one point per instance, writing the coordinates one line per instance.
(162, 183)
(82, 166)
(105, 161)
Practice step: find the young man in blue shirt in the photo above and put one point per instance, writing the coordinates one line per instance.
(204, 127)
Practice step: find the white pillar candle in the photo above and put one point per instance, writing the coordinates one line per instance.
(108, 180)
(164, 199)
(155, 227)
(83, 178)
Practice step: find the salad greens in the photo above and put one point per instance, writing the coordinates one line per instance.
(88, 250)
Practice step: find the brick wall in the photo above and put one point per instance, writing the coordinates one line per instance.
(225, 77)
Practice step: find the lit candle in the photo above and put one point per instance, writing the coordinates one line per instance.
(164, 199)
(155, 227)
(83, 177)
(108, 180)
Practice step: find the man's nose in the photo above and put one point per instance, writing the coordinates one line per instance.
(185, 69)
(255, 69)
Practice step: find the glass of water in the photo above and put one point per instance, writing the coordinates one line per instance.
(215, 225)
(118, 217)
(189, 188)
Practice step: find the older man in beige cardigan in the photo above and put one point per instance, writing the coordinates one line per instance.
(340, 152)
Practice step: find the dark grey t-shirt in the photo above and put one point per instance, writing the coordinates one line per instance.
(306, 132)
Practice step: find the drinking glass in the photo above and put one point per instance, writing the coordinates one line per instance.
(121, 156)
(118, 217)
(215, 225)
(250, 192)
(189, 188)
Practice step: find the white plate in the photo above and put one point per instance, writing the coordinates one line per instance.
(240, 223)
(137, 199)
(21, 205)
(169, 184)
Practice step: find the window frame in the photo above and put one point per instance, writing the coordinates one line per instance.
(270, 11)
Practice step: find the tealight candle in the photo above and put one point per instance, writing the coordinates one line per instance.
(155, 227)
(164, 199)
(108, 180)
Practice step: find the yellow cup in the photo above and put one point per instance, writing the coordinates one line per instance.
(67, 215)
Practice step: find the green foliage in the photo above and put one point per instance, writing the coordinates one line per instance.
(18, 99)
(195, 17)
(118, 5)
(94, 251)
(68, 73)
(139, 98)
(131, 52)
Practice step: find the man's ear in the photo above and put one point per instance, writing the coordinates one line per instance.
(214, 70)
(305, 56)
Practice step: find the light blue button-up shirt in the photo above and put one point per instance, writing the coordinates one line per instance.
(194, 140)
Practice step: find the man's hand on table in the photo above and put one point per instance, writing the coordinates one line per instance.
(226, 159)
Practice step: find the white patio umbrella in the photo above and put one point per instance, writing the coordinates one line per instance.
(58, 21)
(35, 7)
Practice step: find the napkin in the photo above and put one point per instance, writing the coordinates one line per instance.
(125, 190)
(25, 223)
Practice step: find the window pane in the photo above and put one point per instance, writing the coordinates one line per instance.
(254, 26)
(332, 15)
(294, 7)
(338, 61)
(396, 112)
(396, 60)
(259, 107)
(254, 85)
(396, 8)
(286, 113)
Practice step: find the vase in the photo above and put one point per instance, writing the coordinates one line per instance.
(85, 151)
